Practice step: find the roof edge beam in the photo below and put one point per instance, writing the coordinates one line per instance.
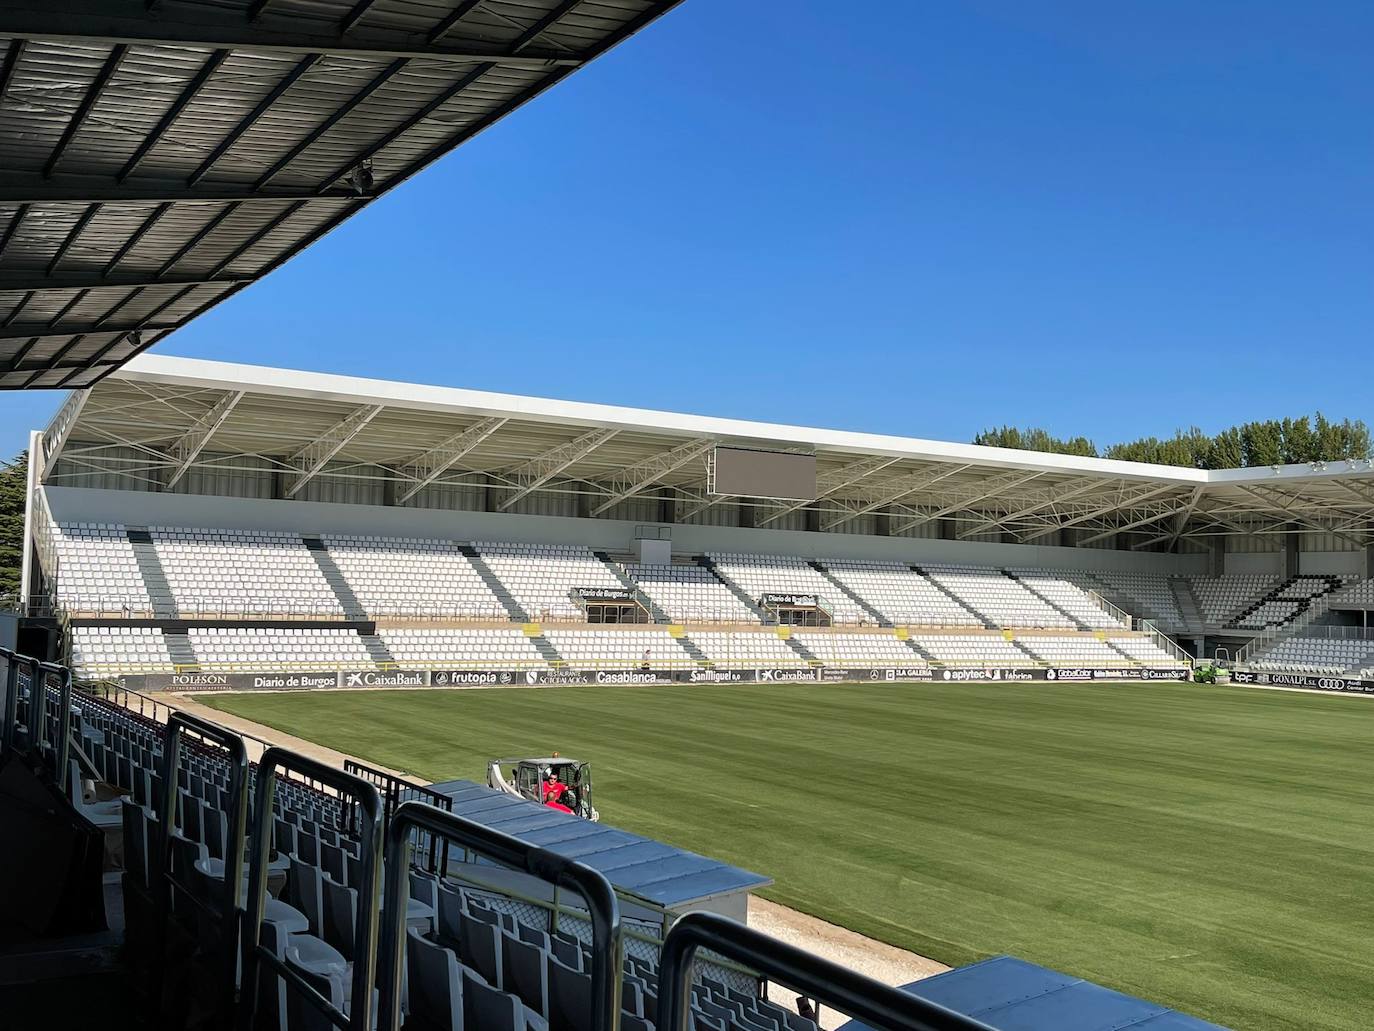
(84, 22)
(89, 189)
(15, 280)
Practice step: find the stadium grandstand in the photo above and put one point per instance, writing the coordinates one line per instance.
(202, 523)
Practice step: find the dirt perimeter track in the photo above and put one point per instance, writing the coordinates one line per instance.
(880, 961)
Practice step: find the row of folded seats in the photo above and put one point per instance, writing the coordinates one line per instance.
(106, 650)
(468, 963)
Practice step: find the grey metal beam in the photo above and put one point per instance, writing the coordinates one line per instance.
(16, 280)
(77, 229)
(164, 123)
(128, 23)
(10, 230)
(248, 121)
(29, 188)
(92, 97)
(13, 52)
(539, 471)
(450, 21)
(446, 454)
(310, 460)
(340, 113)
(22, 331)
(187, 448)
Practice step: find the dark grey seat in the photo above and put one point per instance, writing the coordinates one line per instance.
(526, 973)
(435, 983)
(340, 916)
(570, 996)
(479, 947)
(450, 908)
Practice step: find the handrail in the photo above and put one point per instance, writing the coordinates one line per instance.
(1115, 611)
(14, 662)
(63, 729)
(867, 1000)
(592, 886)
(392, 789)
(177, 724)
(254, 953)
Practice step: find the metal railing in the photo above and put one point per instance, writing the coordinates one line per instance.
(867, 1000)
(396, 791)
(254, 953)
(1120, 615)
(1261, 643)
(226, 907)
(563, 873)
(1164, 642)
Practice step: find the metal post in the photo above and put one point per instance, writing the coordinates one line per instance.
(254, 954)
(164, 883)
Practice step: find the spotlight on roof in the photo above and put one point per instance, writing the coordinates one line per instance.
(361, 179)
(136, 338)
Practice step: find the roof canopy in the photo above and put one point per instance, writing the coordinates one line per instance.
(156, 156)
(177, 414)
(649, 871)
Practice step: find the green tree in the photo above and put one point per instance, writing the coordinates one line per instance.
(1270, 442)
(13, 481)
(1036, 439)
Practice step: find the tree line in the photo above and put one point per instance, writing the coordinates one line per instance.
(1264, 442)
(13, 482)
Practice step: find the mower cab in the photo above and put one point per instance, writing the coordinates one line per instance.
(562, 784)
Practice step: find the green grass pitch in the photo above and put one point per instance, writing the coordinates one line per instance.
(1209, 848)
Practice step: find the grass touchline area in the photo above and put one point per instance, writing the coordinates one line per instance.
(1208, 848)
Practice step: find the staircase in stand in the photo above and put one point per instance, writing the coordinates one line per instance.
(179, 647)
(348, 601)
(377, 649)
(1048, 601)
(150, 568)
(1188, 607)
(493, 582)
(877, 616)
(734, 588)
(987, 623)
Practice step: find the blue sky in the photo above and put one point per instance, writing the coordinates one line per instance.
(921, 218)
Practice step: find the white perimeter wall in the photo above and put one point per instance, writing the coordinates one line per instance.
(139, 508)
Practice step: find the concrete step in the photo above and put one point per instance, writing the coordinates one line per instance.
(493, 581)
(873, 613)
(377, 648)
(150, 569)
(705, 562)
(982, 617)
(1048, 601)
(179, 647)
(333, 575)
